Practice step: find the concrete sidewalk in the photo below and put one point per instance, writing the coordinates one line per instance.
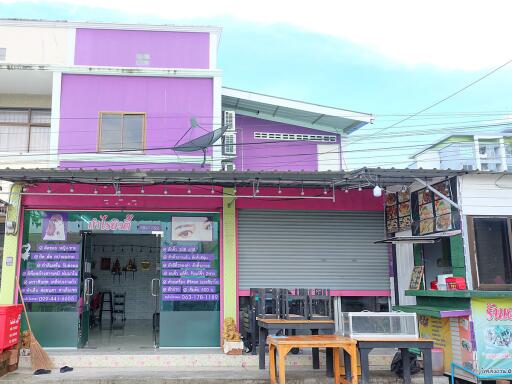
(295, 375)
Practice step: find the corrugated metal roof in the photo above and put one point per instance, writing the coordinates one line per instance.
(296, 112)
(364, 177)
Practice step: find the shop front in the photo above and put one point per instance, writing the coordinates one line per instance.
(154, 272)
(151, 263)
(456, 274)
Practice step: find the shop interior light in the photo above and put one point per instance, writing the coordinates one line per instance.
(346, 189)
(212, 191)
(142, 190)
(95, 191)
(166, 191)
(377, 191)
(49, 190)
(360, 188)
(189, 190)
(302, 191)
(325, 190)
(72, 188)
(24, 189)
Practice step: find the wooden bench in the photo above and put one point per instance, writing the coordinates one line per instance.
(267, 326)
(284, 344)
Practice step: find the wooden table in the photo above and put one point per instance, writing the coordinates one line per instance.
(273, 325)
(365, 345)
(284, 344)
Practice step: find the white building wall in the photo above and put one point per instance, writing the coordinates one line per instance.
(404, 266)
(34, 45)
(482, 194)
(428, 160)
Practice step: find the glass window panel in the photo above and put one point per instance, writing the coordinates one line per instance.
(133, 132)
(493, 251)
(111, 127)
(39, 116)
(39, 139)
(13, 116)
(13, 138)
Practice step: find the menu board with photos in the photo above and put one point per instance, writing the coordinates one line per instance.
(398, 211)
(430, 213)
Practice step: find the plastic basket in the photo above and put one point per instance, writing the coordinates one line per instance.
(10, 322)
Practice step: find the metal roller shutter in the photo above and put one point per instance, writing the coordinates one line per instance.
(312, 249)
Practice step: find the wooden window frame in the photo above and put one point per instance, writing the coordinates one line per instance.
(122, 113)
(29, 125)
(473, 255)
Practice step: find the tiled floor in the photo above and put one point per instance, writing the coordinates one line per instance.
(135, 335)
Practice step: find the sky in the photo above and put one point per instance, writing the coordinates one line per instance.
(389, 58)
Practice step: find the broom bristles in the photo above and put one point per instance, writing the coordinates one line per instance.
(39, 357)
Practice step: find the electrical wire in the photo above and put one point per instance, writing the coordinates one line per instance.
(438, 102)
(288, 143)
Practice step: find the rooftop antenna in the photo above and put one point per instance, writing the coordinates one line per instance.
(200, 143)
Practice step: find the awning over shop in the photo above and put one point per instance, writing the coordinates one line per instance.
(425, 239)
(360, 178)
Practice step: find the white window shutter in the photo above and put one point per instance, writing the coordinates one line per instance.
(229, 120)
(229, 143)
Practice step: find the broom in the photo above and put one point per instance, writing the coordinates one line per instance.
(38, 356)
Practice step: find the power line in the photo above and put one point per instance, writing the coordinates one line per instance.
(440, 101)
(440, 130)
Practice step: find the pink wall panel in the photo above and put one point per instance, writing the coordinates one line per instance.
(118, 48)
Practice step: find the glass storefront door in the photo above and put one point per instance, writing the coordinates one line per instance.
(190, 282)
(58, 266)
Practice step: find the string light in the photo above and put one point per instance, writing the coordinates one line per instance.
(95, 191)
(212, 191)
(189, 190)
(346, 189)
(377, 191)
(302, 191)
(325, 190)
(142, 189)
(166, 191)
(71, 188)
(49, 190)
(360, 188)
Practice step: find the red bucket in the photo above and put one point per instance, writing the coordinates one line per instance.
(10, 323)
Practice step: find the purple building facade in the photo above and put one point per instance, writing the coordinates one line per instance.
(132, 95)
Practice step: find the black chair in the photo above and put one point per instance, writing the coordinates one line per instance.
(295, 304)
(320, 304)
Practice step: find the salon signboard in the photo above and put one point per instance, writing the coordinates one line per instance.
(493, 333)
(104, 223)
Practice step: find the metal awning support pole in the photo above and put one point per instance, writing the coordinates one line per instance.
(428, 186)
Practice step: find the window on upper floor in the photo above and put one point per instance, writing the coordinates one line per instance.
(122, 131)
(24, 130)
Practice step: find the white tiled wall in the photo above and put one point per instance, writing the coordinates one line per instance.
(139, 302)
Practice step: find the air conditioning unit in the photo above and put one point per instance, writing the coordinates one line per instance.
(228, 166)
(228, 119)
(229, 144)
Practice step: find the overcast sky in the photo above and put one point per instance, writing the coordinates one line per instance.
(388, 57)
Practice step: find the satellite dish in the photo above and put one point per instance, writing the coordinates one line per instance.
(202, 142)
